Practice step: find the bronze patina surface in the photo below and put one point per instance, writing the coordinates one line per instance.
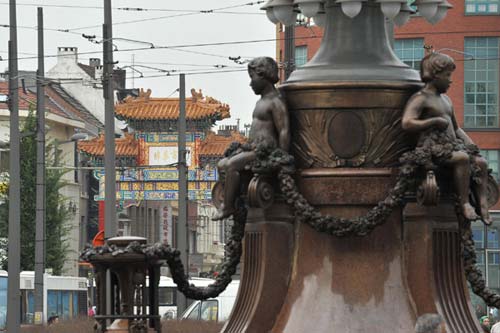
(348, 124)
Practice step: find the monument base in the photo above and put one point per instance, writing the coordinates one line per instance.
(380, 283)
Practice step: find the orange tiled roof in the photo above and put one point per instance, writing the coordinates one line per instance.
(146, 108)
(126, 146)
(27, 100)
(216, 145)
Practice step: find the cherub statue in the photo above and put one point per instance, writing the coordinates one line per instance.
(429, 111)
(270, 129)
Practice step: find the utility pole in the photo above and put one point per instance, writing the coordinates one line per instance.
(14, 260)
(109, 144)
(182, 221)
(40, 176)
(289, 50)
(109, 158)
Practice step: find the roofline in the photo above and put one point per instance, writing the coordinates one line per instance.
(50, 116)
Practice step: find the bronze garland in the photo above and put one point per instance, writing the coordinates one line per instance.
(474, 274)
(432, 152)
(233, 250)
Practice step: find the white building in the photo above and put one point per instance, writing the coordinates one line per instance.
(64, 118)
(84, 81)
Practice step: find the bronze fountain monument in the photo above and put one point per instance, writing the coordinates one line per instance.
(353, 198)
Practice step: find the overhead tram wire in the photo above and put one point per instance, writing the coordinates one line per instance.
(176, 73)
(177, 47)
(197, 12)
(183, 13)
(47, 29)
(138, 8)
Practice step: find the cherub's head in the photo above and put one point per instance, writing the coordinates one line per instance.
(265, 67)
(435, 63)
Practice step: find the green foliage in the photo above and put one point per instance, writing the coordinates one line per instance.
(57, 210)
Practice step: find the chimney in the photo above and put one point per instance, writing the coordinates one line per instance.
(95, 62)
(99, 70)
(119, 79)
(67, 54)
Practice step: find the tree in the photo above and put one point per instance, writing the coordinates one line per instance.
(57, 208)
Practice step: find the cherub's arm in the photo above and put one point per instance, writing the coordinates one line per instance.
(411, 116)
(281, 122)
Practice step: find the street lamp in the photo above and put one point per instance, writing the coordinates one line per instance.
(74, 138)
(285, 11)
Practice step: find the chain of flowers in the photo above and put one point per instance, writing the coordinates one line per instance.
(473, 274)
(233, 251)
(429, 154)
(160, 251)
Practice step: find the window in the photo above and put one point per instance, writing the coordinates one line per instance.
(478, 237)
(410, 51)
(492, 238)
(3, 302)
(195, 313)
(62, 303)
(209, 310)
(4, 160)
(167, 296)
(478, 7)
(492, 157)
(300, 55)
(481, 82)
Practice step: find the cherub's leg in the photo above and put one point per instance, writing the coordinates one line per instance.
(234, 166)
(461, 177)
(480, 190)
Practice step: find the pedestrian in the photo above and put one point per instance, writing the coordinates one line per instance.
(53, 320)
(90, 312)
(430, 323)
(485, 324)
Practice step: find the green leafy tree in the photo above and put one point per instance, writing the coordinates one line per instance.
(57, 208)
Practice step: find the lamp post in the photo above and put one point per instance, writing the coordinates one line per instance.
(74, 138)
(345, 107)
(13, 299)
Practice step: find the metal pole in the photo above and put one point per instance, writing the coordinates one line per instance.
(182, 227)
(289, 50)
(14, 260)
(40, 177)
(109, 158)
(109, 144)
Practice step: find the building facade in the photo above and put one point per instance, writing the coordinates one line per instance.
(471, 35)
(64, 117)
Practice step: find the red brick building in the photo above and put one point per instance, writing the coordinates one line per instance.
(471, 35)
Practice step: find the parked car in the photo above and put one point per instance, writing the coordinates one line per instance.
(214, 309)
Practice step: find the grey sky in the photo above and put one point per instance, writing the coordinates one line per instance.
(231, 88)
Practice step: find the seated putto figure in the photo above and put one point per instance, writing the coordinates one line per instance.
(270, 129)
(430, 111)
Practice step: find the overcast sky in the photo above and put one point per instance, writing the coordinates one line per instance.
(195, 28)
